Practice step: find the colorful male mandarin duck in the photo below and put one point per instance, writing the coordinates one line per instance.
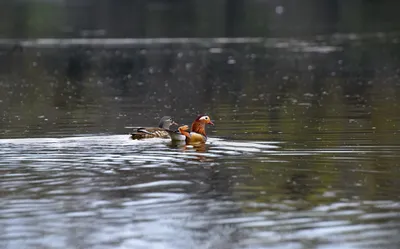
(151, 132)
(196, 135)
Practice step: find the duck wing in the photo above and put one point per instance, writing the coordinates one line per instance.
(195, 138)
(148, 132)
(144, 130)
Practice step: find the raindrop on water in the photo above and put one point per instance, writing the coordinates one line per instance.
(279, 10)
(215, 50)
(231, 61)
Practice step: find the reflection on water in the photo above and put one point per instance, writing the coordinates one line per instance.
(304, 153)
(110, 191)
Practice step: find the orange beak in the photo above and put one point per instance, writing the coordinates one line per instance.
(210, 123)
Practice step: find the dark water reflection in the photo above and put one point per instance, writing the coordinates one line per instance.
(304, 153)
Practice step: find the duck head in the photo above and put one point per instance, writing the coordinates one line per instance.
(199, 124)
(204, 119)
(166, 122)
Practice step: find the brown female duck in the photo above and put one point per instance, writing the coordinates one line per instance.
(151, 132)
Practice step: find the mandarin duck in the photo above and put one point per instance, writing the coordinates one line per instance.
(151, 132)
(197, 133)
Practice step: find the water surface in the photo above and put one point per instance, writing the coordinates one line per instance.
(304, 153)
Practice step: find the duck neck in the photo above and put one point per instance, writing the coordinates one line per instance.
(199, 128)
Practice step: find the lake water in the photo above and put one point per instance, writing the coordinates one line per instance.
(304, 152)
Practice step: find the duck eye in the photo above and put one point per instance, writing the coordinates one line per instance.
(206, 118)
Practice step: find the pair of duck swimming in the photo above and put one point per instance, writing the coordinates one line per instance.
(195, 135)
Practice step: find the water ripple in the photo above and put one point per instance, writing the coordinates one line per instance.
(119, 193)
